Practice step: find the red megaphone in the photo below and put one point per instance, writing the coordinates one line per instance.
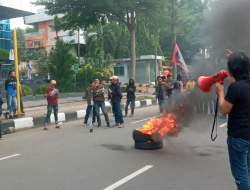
(205, 83)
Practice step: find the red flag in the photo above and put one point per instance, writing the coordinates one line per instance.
(178, 59)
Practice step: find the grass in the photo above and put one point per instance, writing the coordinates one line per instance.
(144, 98)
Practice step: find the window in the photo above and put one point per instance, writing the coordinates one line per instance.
(119, 70)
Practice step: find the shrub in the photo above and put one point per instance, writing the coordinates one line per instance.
(41, 88)
(26, 90)
(4, 54)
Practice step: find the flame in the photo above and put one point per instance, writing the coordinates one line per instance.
(165, 124)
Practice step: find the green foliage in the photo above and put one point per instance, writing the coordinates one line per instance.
(86, 74)
(42, 66)
(4, 54)
(41, 88)
(26, 90)
(59, 64)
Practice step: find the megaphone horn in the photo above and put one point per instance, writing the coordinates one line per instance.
(206, 82)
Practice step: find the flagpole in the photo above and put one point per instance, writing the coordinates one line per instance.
(155, 58)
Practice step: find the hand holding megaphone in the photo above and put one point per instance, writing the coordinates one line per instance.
(219, 88)
(206, 82)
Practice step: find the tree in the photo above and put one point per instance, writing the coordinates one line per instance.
(82, 13)
(59, 64)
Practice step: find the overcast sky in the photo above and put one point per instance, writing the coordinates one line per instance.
(18, 22)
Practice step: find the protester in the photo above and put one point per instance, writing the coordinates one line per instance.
(1, 103)
(161, 93)
(98, 97)
(178, 88)
(170, 86)
(236, 103)
(164, 79)
(52, 95)
(190, 84)
(116, 96)
(90, 102)
(130, 89)
(10, 87)
(28, 69)
(109, 98)
(21, 102)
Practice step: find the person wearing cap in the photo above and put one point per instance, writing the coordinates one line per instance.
(98, 97)
(170, 86)
(116, 97)
(90, 102)
(52, 95)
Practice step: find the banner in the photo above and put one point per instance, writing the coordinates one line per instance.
(178, 59)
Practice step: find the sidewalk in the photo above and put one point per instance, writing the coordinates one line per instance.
(69, 109)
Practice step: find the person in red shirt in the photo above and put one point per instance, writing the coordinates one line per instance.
(52, 95)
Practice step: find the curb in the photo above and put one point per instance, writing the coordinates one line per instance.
(31, 122)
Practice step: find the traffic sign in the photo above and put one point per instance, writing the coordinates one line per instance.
(76, 66)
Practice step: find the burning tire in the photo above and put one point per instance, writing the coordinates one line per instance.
(151, 145)
(140, 137)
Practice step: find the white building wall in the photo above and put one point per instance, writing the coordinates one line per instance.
(65, 36)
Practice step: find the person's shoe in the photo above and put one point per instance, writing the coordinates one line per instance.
(99, 125)
(125, 115)
(58, 127)
(108, 125)
(121, 126)
(116, 124)
(45, 129)
(84, 124)
(6, 115)
(131, 116)
(11, 117)
(93, 123)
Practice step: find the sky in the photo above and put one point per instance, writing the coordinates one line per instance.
(18, 22)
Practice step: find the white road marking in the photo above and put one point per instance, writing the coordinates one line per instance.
(223, 125)
(4, 158)
(126, 179)
(142, 120)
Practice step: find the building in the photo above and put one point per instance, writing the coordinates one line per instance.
(5, 39)
(44, 36)
(146, 69)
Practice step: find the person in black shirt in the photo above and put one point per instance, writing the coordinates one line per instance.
(130, 89)
(170, 86)
(161, 94)
(236, 103)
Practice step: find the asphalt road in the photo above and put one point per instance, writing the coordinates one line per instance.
(73, 158)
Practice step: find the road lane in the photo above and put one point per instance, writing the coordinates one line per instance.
(73, 158)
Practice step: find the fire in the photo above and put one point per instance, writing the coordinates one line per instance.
(165, 124)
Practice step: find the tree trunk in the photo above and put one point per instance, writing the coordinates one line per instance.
(174, 33)
(132, 30)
